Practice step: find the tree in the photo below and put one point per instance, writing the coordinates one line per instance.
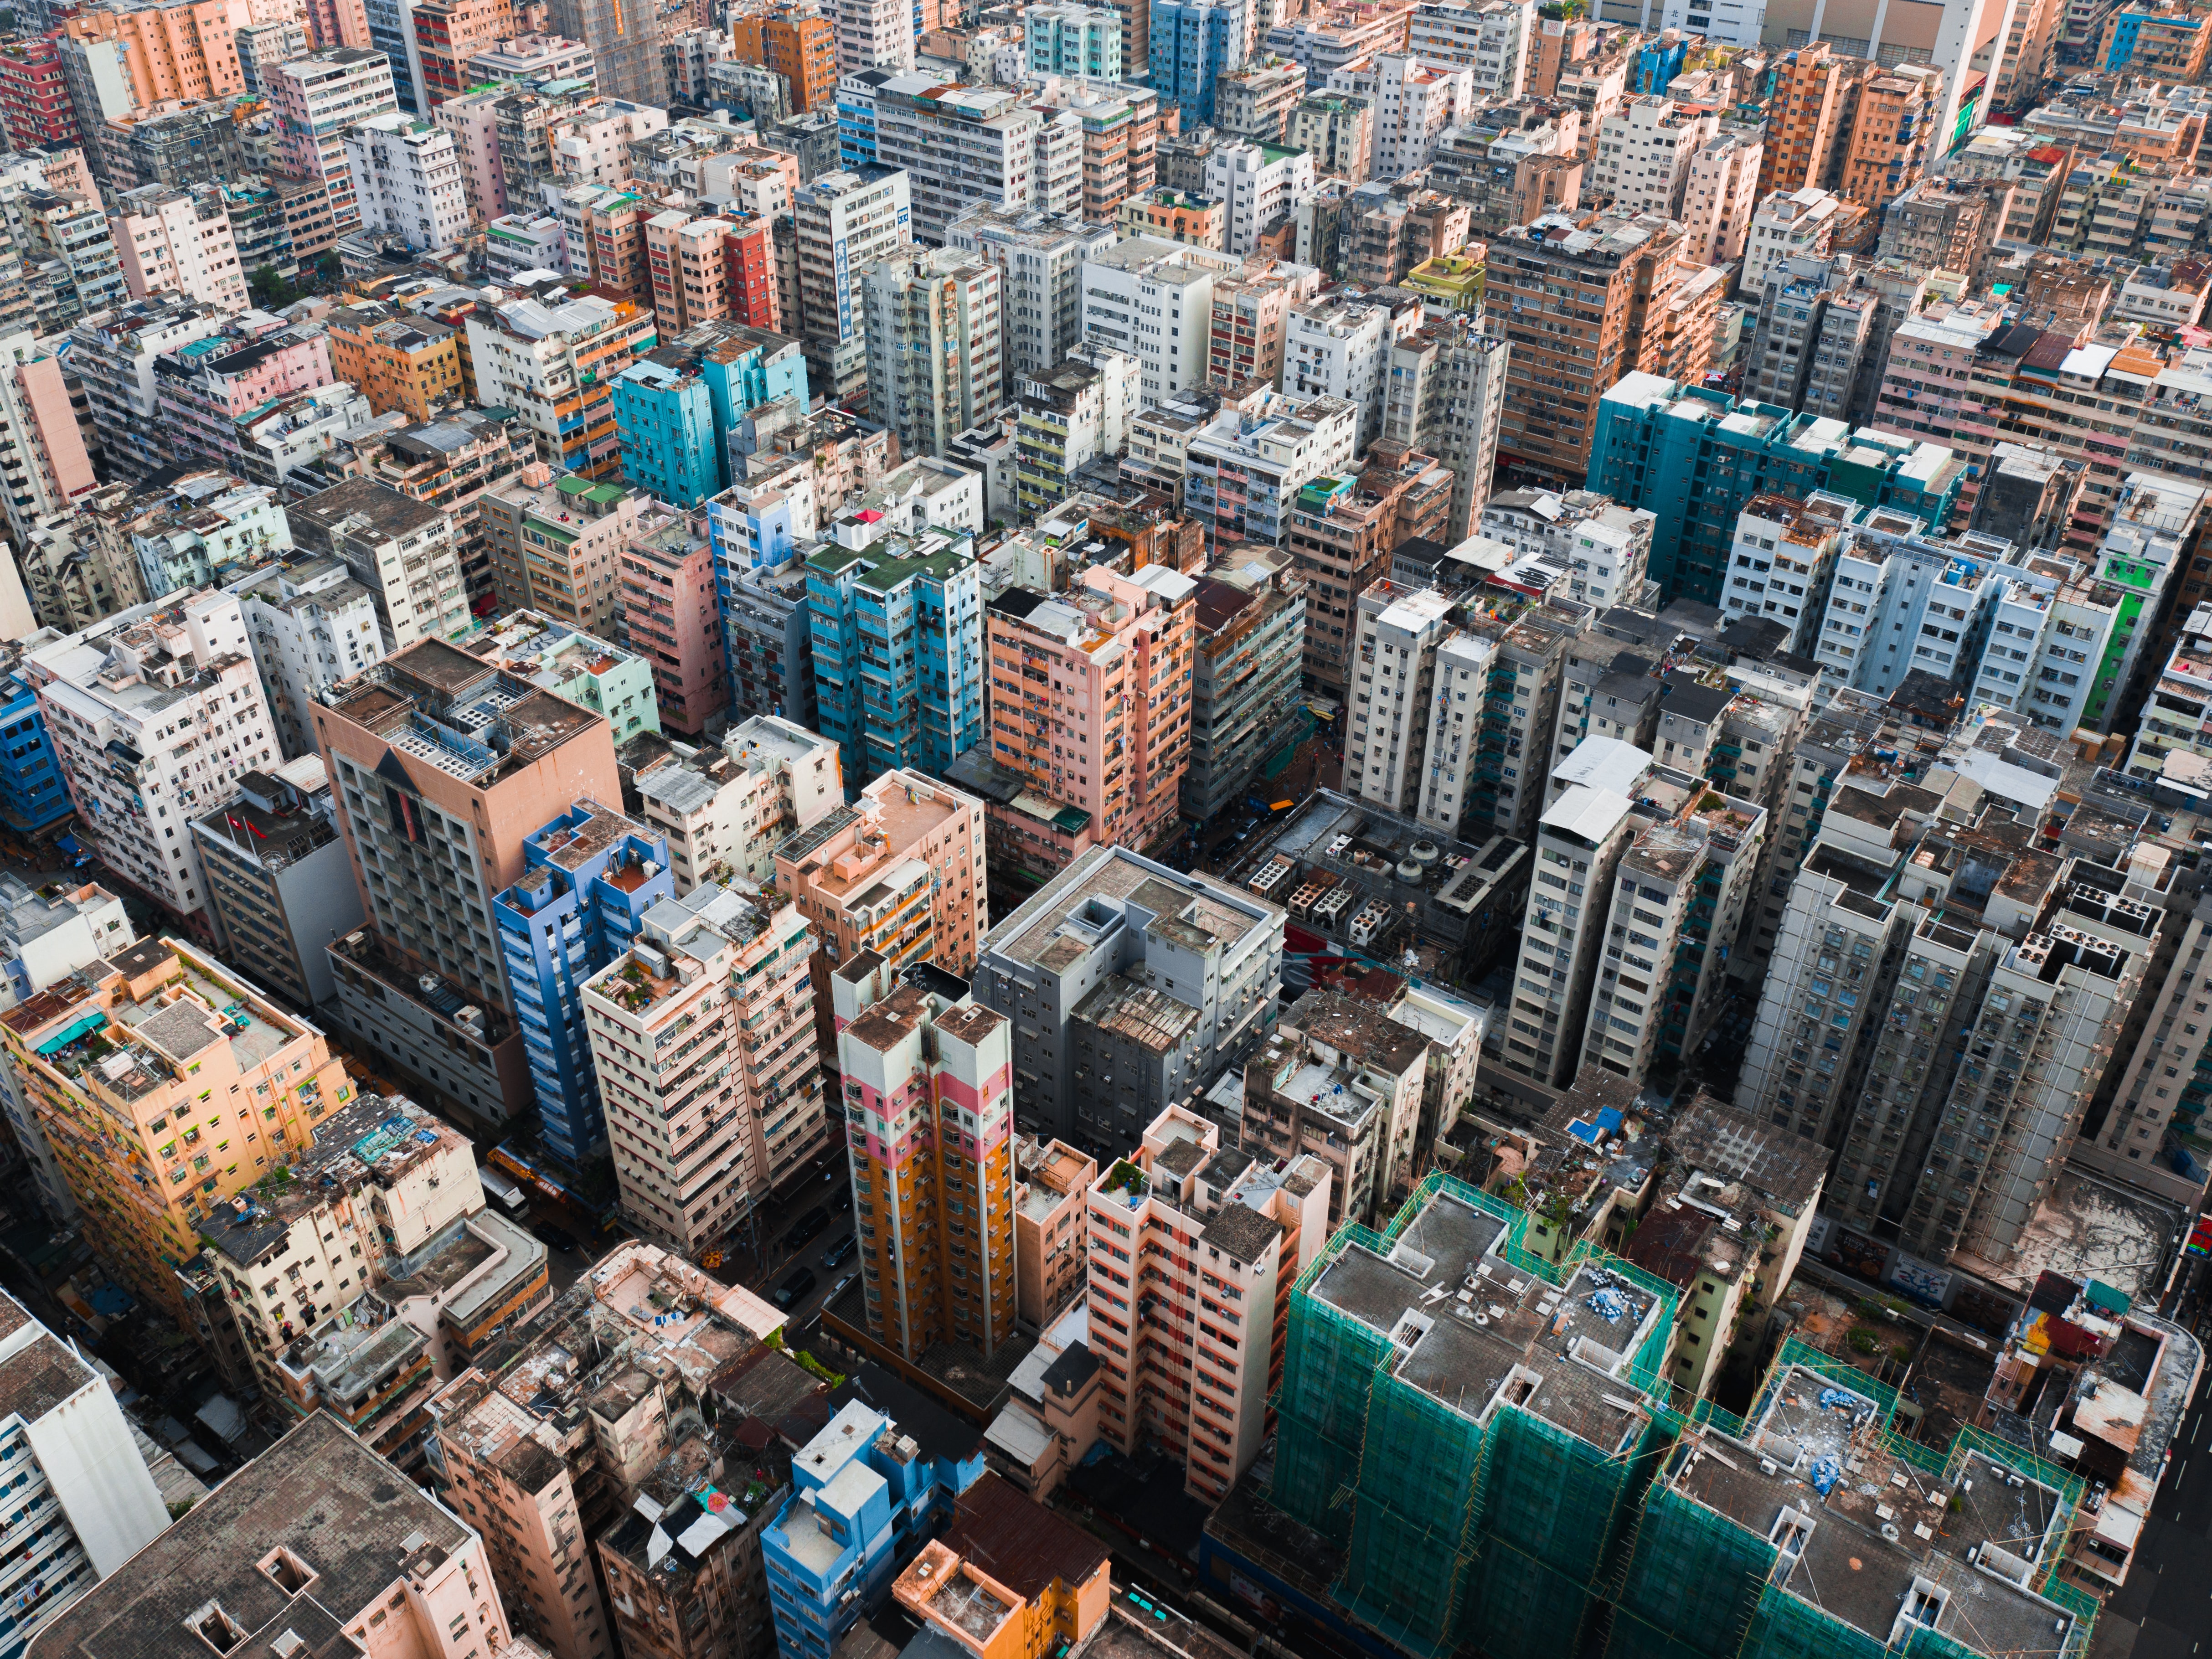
(271, 291)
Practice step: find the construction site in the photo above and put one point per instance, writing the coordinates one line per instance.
(1484, 1448)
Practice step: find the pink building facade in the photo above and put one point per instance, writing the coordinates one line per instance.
(205, 388)
(668, 616)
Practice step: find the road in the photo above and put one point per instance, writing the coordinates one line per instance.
(2165, 1609)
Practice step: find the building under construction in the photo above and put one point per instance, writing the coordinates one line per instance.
(1486, 1439)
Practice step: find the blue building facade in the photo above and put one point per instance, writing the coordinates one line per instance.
(920, 704)
(1194, 44)
(588, 879)
(33, 796)
(864, 1499)
(665, 418)
(856, 116)
(745, 368)
(675, 408)
(1694, 458)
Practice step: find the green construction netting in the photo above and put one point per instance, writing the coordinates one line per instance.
(1784, 1627)
(1695, 1576)
(1416, 1514)
(1518, 1608)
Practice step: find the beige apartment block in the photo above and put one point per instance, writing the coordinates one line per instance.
(1089, 698)
(317, 1530)
(704, 1038)
(546, 1451)
(288, 1258)
(899, 872)
(1341, 1081)
(556, 540)
(165, 1086)
(726, 811)
(1050, 1181)
(1194, 1247)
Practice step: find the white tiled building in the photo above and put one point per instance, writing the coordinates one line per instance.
(407, 180)
(177, 238)
(1395, 695)
(1339, 350)
(1643, 151)
(726, 811)
(1415, 102)
(155, 711)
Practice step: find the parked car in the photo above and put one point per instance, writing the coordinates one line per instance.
(812, 1224)
(840, 1253)
(839, 1288)
(792, 1288)
(842, 1199)
(556, 1238)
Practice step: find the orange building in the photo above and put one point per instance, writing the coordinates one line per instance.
(398, 359)
(1111, 736)
(800, 47)
(448, 32)
(1893, 135)
(187, 51)
(949, 1591)
(1806, 117)
(165, 1086)
(926, 1076)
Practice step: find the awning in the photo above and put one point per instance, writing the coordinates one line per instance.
(91, 1020)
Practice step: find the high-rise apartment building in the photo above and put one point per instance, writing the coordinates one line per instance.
(1244, 469)
(936, 349)
(186, 52)
(999, 139)
(875, 34)
(554, 358)
(318, 99)
(46, 937)
(447, 34)
(1654, 442)
(1039, 258)
(166, 1086)
(1893, 135)
(668, 615)
(1154, 300)
(34, 95)
(43, 460)
(625, 44)
(1113, 938)
(179, 240)
(556, 542)
(927, 587)
(114, 355)
(927, 1079)
(400, 549)
(1187, 1344)
(279, 888)
(1342, 528)
(797, 43)
(844, 222)
(589, 878)
(1642, 158)
(726, 811)
(1193, 43)
(433, 753)
(1089, 701)
(1811, 108)
(158, 707)
(691, 1161)
(1073, 39)
(1249, 654)
(1619, 271)
(898, 874)
(406, 176)
(86, 1501)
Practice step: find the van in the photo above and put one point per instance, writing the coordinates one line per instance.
(503, 1191)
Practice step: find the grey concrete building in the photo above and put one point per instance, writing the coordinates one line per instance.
(1190, 969)
(280, 887)
(1244, 695)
